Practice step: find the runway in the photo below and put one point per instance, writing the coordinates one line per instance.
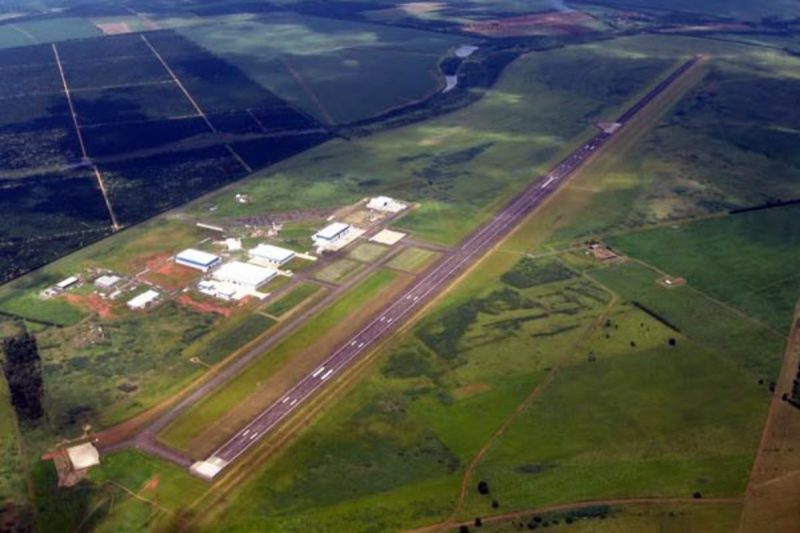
(434, 281)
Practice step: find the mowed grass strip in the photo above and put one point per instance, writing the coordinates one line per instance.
(413, 260)
(338, 270)
(291, 300)
(368, 252)
(186, 428)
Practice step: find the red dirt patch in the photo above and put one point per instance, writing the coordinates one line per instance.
(93, 302)
(203, 307)
(561, 22)
(152, 483)
(170, 275)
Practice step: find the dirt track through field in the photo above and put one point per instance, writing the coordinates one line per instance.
(773, 488)
(98, 177)
(581, 505)
(308, 90)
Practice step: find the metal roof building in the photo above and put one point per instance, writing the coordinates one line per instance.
(331, 232)
(143, 300)
(272, 254)
(244, 274)
(197, 259)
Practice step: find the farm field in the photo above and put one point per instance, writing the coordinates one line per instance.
(333, 69)
(746, 260)
(139, 144)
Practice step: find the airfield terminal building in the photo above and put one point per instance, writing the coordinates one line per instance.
(197, 259)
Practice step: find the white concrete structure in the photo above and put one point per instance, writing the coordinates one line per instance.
(209, 468)
(245, 275)
(197, 259)
(233, 245)
(143, 300)
(83, 456)
(331, 233)
(386, 204)
(387, 237)
(106, 281)
(223, 291)
(67, 283)
(271, 255)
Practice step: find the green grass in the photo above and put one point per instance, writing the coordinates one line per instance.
(103, 372)
(105, 501)
(747, 260)
(339, 270)
(12, 484)
(292, 299)
(413, 259)
(672, 518)
(402, 437)
(658, 420)
(229, 337)
(368, 252)
(28, 304)
(743, 342)
(181, 432)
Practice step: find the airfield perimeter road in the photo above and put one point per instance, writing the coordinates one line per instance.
(431, 283)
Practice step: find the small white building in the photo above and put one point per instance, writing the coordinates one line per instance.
(83, 456)
(143, 300)
(385, 204)
(273, 255)
(331, 233)
(197, 259)
(245, 275)
(67, 283)
(106, 281)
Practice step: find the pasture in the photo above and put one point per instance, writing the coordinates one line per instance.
(746, 260)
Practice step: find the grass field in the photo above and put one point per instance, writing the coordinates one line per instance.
(658, 421)
(294, 298)
(368, 252)
(12, 482)
(129, 492)
(746, 260)
(413, 259)
(339, 270)
(249, 384)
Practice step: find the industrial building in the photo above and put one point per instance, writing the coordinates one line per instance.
(67, 283)
(143, 300)
(106, 281)
(197, 259)
(244, 275)
(331, 233)
(272, 255)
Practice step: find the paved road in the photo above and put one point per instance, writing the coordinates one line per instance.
(431, 283)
